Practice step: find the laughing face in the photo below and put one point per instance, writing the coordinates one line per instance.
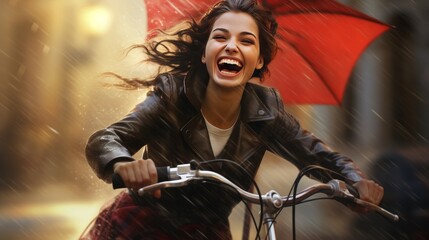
(232, 51)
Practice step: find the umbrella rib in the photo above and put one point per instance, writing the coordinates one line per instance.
(353, 15)
(302, 9)
(312, 67)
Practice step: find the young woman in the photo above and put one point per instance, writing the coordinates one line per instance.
(203, 107)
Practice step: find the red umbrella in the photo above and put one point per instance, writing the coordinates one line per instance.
(320, 42)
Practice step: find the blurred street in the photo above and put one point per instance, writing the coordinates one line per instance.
(50, 211)
(56, 211)
(47, 221)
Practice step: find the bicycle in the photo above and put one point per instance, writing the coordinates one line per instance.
(271, 203)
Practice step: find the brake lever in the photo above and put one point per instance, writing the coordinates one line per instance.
(383, 212)
(340, 190)
(182, 177)
(342, 193)
(167, 184)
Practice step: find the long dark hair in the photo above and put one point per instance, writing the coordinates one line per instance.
(180, 52)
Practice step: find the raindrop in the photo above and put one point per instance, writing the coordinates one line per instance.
(35, 27)
(46, 49)
(21, 71)
(53, 130)
(378, 115)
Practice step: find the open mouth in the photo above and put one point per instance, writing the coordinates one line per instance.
(229, 66)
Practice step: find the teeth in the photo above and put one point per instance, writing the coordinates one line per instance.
(230, 61)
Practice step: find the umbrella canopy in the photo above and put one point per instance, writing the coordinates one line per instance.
(319, 40)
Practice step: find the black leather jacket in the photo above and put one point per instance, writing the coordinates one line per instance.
(169, 123)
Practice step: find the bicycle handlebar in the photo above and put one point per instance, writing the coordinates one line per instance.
(184, 174)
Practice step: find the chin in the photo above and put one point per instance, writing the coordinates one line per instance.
(228, 81)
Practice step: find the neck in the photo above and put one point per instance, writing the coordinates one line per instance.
(220, 106)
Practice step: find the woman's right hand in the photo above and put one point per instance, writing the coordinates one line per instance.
(138, 174)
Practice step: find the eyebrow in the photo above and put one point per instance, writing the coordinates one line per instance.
(226, 31)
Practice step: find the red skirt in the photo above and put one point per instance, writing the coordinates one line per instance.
(124, 219)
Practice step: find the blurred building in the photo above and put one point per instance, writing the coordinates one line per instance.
(386, 100)
(51, 56)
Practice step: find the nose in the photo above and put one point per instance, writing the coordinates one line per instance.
(231, 47)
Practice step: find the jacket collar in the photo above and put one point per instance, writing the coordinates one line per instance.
(253, 107)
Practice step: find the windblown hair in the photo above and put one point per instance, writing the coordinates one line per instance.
(180, 52)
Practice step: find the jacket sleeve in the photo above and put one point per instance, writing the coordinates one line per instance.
(287, 139)
(121, 140)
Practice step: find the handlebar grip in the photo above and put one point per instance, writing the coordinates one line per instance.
(163, 175)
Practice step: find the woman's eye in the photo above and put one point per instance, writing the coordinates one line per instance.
(248, 41)
(218, 37)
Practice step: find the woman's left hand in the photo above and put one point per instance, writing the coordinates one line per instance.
(369, 191)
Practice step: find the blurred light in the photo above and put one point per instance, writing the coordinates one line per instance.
(95, 20)
(32, 218)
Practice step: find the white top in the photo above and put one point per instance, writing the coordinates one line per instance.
(218, 136)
